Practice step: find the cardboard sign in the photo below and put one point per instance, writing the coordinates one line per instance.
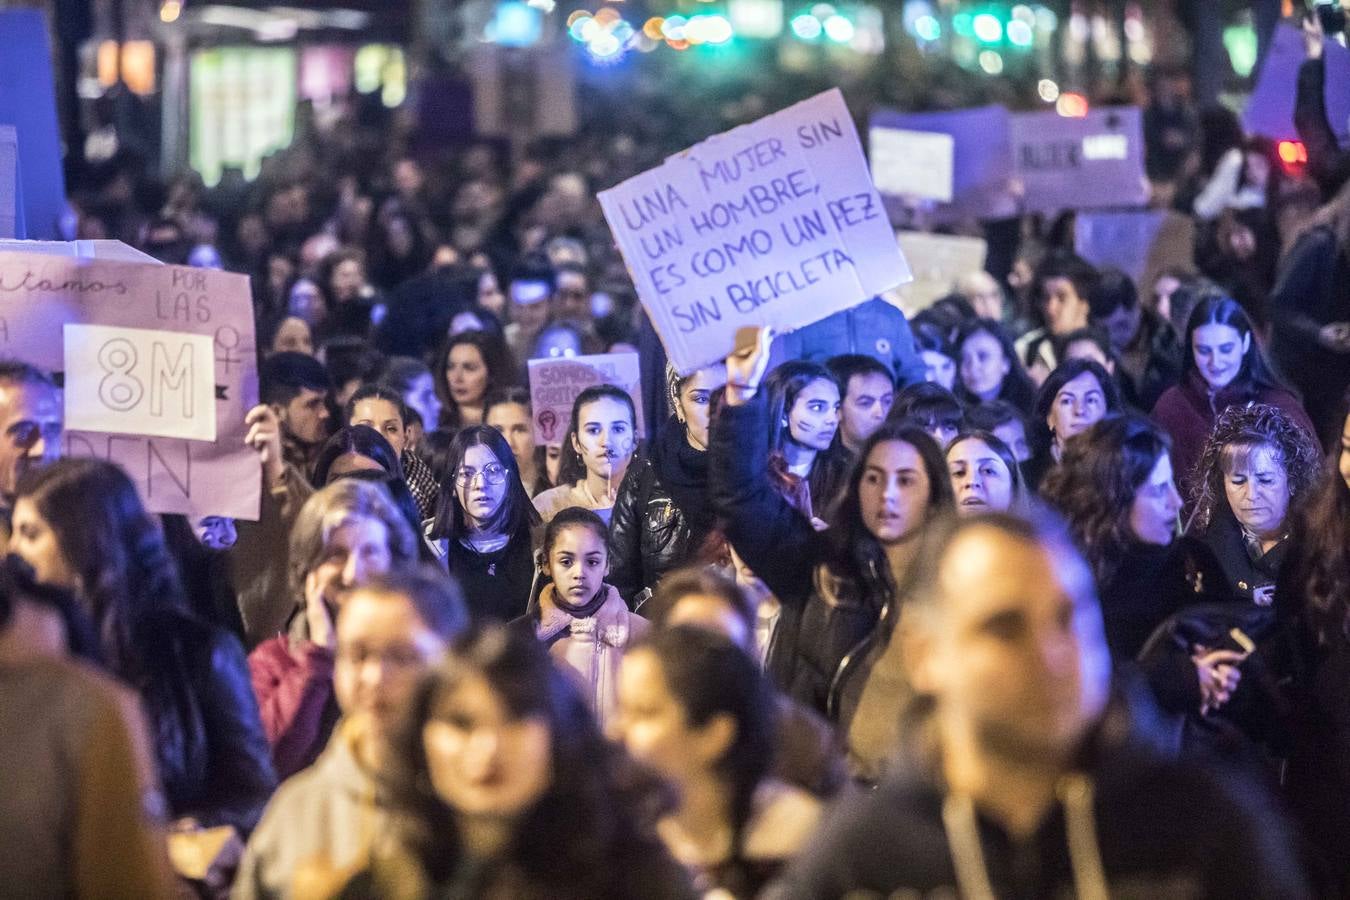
(9, 182)
(772, 224)
(914, 164)
(1141, 243)
(937, 261)
(140, 381)
(1080, 163)
(556, 383)
(28, 102)
(41, 294)
(982, 167)
(1270, 109)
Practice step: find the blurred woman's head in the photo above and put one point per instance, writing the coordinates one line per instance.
(468, 366)
(990, 368)
(940, 359)
(346, 533)
(382, 409)
(508, 410)
(353, 449)
(415, 384)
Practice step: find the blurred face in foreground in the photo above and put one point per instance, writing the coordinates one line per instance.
(1012, 648)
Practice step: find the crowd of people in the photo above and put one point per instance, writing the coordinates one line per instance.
(1044, 590)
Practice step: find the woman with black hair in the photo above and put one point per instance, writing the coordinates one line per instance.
(352, 449)
(484, 525)
(382, 408)
(81, 526)
(1075, 396)
(663, 515)
(503, 786)
(696, 708)
(940, 358)
(805, 452)
(836, 588)
(1223, 365)
(465, 369)
(990, 368)
(599, 444)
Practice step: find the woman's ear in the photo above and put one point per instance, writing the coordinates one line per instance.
(716, 736)
(1246, 343)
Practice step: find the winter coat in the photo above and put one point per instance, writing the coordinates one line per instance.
(496, 585)
(1161, 829)
(1313, 290)
(649, 532)
(1187, 412)
(1149, 583)
(831, 600)
(260, 559)
(293, 681)
(592, 648)
(213, 757)
(331, 814)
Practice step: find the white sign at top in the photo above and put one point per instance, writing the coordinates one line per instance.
(771, 224)
(917, 164)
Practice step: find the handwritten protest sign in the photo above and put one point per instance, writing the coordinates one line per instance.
(1080, 163)
(41, 294)
(937, 261)
(1141, 243)
(140, 381)
(982, 167)
(914, 164)
(774, 223)
(1270, 109)
(555, 384)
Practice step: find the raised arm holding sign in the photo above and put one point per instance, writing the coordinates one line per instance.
(775, 223)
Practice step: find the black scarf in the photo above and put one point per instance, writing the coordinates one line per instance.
(683, 472)
(587, 609)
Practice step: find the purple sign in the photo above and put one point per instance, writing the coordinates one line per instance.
(982, 168)
(1270, 109)
(1093, 162)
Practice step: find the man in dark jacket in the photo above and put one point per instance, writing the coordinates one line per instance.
(1034, 782)
(1148, 348)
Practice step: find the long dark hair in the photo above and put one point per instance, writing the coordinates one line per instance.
(830, 467)
(361, 440)
(571, 468)
(496, 359)
(1017, 387)
(1095, 484)
(1255, 375)
(1318, 568)
(115, 548)
(853, 545)
(598, 811)
(710, 676)
(1021, 495)
(516, 511)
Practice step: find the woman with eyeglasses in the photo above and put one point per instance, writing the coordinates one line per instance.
(483, 525)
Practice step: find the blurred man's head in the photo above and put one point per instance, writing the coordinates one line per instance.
(30, 422)
(1004, 634)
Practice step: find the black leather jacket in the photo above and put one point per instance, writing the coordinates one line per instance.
(214, 762)
(649, 534)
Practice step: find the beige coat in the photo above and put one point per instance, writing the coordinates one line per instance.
(592, 648)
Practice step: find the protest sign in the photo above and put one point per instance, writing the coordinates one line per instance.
(981, 159)
(555, 384)
(1090, 162)
(28, 102)
(1270, 109)
(211, 311)
(140, 381)
(1141, 243)
(915, 164)
(937, 260)
(772, 224)
(10, 225)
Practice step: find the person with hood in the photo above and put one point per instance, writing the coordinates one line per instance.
(390, 632)
(1025, 774)
(662, 514)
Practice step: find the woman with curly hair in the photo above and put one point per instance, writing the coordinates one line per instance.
(1114, 485)
(1256, 469)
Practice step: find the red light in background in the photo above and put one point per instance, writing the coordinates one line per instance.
(1072, 106)
(1292, 153)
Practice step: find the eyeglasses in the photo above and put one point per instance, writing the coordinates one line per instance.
(493, 473)
(26, 433)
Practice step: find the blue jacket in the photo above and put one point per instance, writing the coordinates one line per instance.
(873, 328)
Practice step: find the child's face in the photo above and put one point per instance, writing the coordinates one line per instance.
(578, 562)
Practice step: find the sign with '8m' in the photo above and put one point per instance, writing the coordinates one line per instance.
(140, 381)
